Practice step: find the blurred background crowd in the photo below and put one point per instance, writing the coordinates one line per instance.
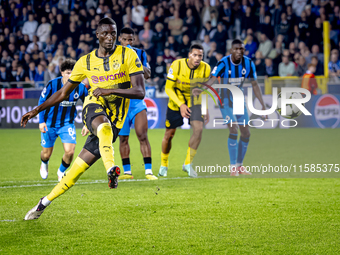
(282, 36)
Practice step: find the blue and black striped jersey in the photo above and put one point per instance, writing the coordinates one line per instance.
(234, 74)
(64, 113)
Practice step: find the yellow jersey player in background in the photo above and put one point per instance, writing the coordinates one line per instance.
(115, 74)
(182, 73)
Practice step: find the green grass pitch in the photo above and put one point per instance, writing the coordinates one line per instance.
(176, 215)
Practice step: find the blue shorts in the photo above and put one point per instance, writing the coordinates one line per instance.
(134, 109)
(228, 116)
(66, 133)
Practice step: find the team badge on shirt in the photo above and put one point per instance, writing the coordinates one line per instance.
(138, 63)
(115, 65)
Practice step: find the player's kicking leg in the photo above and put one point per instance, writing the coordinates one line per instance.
(141, 128)
(242, 149)
(84, 160)
(166, 147)
(195, 139)
(66, 160)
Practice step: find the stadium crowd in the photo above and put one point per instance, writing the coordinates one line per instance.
(281, 36)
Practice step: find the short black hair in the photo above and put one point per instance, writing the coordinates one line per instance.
(196, 46)
(106, 21)
(127, 30)
(68, 64)
(236, 41)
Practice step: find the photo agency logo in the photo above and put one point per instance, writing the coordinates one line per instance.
(290, 103)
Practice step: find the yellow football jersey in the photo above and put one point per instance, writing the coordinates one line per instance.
(179, 78)
(111, 72)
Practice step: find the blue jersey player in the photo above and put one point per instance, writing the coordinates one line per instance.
(233, 70)
(58, 120)
(137, 116)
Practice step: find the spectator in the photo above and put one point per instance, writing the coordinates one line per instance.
(172, 45)
(302, 66)
(318, 65)
(248, 21)
(217, 56)
(298, 6)
(167, 57)
(206, 47)
(220, 37)
(211, 54)
(207, 30)
(226, 16)
(58, 28)
(265, 46)
(31, 71)
(259, 64)
(74, 33)
(206, 12)
(6, 59)
(30, 27)
(270, 68)
(267, 29)
(291, 17)
(36, 41)
(189, 24)
(39, 76)
(284, 28)
(5, 76)
(276, 13)
(292, 50)
(302, 28)
(316, 36)
(261, 16)
(315, 52)
(16, 20)
(14, 68)
(21, 74)
(11, 50)
(5, 20)
(286, 67)
(334, 65)
(175, 26)
(44, 30)
(145, 36)
(50, 73)
(159, 73)
(309, 81)
(158, 38)
(22, 52)
(137, 15)
(250, 47)
(184, 46)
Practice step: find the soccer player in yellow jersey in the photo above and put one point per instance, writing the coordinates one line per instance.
(115, 74)
(182, 73)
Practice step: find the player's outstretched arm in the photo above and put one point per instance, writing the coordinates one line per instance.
(137, 91)
(56, 98)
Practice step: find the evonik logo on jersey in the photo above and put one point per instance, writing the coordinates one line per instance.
(111, 77)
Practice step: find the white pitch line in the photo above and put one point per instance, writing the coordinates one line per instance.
(86, 182)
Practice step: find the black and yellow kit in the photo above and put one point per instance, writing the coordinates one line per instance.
(180, 80)
(112, 72)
